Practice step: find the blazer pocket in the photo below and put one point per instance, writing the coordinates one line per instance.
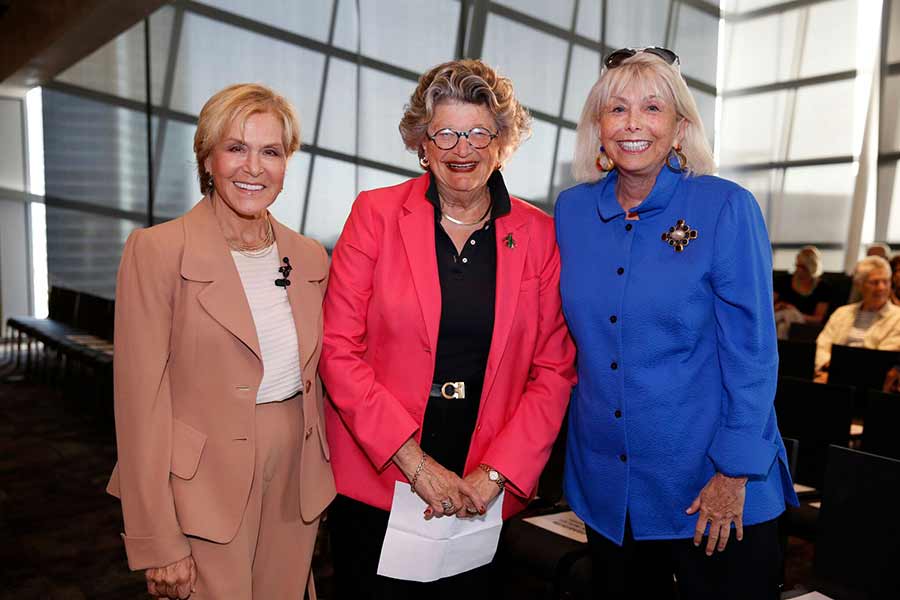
(187, 446)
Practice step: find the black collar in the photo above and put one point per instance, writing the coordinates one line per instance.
(496, 186)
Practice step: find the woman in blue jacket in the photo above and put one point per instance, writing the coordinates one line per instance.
(674, 459)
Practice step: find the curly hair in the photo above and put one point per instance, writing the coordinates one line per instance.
(237, 103)
(469, 81)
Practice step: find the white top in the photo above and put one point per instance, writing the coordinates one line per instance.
(274, 322)
(864, 320)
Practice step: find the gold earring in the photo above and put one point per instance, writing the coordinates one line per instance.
(679, 155)
(423, 162)
(604, 162)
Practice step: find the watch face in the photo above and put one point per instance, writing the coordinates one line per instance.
(493, 475)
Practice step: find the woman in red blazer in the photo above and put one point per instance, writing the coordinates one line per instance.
(445, 352)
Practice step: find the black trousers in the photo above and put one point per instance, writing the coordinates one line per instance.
(676, 569)
(357, 533)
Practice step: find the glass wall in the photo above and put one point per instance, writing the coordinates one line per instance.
(796, 84)
(119, 123)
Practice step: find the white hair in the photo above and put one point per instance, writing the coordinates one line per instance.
(866, 266)
(662, 79)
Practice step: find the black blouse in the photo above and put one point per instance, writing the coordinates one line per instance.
(468, 284)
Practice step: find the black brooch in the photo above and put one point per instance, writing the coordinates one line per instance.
(679, 236)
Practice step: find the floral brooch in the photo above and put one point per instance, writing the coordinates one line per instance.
(679, 236)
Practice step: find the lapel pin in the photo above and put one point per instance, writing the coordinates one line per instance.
(679, 236)
(510, 242)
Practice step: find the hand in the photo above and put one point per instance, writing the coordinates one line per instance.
(435, 484)
(488, 489)
(174, 581)
(720, 503)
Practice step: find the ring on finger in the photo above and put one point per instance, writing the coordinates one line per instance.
(447, 505)
(471, 511)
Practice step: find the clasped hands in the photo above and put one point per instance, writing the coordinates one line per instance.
(720, 504)
(444, 491)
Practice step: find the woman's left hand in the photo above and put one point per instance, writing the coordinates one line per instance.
(484, 486)
(720, 503)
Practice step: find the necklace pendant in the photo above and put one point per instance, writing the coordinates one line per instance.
(679, 236)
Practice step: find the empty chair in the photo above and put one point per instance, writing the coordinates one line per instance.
(862, 368)
(816, 415)
(859, 540)
(805, 332)
(796, 359)
(881, 434)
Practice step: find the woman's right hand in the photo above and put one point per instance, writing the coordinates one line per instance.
(436, 484)
(175, 581)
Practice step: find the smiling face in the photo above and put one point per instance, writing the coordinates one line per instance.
(463, 168)
(248, 164)
(638, 128)
(876, 289)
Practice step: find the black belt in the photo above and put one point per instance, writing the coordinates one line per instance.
(451, 390)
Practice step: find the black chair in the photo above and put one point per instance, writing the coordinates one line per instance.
(805, 332)
(538, 563)
(859, 540)
(862, 368)
(840, 284)
(796, 359)
(816, 415)
(881, 432)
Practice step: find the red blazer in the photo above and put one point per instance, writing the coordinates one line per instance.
(382, 312)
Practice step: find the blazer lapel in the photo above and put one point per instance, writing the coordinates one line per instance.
(304, 293)
(417, 233)
(208, 259)
(512, 248)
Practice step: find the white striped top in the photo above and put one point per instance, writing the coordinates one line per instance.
(274, 322)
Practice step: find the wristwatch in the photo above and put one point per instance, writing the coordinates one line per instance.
(493, 475)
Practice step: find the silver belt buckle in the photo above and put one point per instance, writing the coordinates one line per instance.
(458, 390)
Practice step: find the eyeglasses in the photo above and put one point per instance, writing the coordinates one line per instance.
(447, 139)
(616, 57)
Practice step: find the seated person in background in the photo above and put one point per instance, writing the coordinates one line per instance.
(879, 249)
(873, 323)
(802, 297)
(895, 279)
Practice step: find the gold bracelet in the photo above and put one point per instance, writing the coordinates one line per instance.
(415, 477)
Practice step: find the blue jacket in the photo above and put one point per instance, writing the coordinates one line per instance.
(677, 355)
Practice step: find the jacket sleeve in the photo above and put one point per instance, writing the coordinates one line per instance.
(372, 414)
(745, 331)
(826, 338)
(143, 404)
(520, 450)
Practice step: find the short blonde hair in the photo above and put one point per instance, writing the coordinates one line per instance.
(470, 81)
(237, 103)
(811, 258)
(866, 266)
(658, 77)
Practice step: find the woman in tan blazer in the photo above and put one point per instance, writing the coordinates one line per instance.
(223, 465)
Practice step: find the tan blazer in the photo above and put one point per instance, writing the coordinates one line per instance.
(884, 334)
(187, 369)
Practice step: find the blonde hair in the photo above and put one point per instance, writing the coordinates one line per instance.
(470, 81)
(658, 77)
(866, 266)
(237, 103)
(811, 258)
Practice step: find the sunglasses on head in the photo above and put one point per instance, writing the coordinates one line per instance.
(616, 57)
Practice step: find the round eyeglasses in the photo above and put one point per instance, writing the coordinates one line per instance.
(616, 57)
(447, 139)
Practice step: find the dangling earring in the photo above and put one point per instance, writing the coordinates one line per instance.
(604, 163)
(210, 181)
(679, 155)
(423, 162)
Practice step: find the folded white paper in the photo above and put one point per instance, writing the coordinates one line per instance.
(418, 550)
